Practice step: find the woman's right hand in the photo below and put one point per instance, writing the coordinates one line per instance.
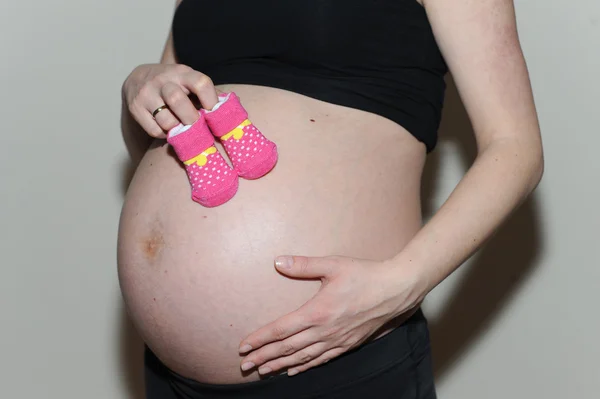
(153, 85)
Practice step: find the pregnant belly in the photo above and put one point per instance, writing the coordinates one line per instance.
(197, 280)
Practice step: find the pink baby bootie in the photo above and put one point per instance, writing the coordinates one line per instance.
(212, 179)
(251, 153)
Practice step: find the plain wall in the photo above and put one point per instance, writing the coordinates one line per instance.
(518, 321)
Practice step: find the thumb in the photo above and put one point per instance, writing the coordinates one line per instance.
(303, 267)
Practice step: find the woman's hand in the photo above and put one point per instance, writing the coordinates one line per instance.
(151, 86)
(356, 298)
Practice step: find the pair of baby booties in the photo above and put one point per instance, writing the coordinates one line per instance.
(252, 155)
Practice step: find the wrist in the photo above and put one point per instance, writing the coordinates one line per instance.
(409, 279)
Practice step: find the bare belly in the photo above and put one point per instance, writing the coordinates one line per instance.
(196, 281)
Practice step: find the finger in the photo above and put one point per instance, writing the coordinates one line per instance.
(303, 356)
(305, 267)
(202, 86)
(145, 120)
(163, 118)
(179, 104)
(279, 349)
(166, 120)
(278, 330)
(322, 359)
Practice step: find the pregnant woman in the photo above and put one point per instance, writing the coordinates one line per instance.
(307, 283)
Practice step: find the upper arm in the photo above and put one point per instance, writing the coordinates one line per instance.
(479, 41)
(168, 55)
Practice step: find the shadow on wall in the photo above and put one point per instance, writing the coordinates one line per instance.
(131, 355)
(492, 277)
(496, 271)
(131, 346)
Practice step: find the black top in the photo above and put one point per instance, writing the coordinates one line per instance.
(379, 56)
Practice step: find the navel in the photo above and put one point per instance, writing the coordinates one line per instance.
(153, 243)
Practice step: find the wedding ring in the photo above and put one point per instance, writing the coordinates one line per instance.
(157, 110)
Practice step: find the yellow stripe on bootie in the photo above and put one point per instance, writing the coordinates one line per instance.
(238, 132)
(201, 158)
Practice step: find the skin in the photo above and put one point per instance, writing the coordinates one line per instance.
(480, 44)
(358, 296)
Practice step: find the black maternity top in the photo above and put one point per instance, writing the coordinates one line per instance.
(378, 56)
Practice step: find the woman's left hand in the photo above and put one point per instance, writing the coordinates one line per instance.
(356, 298)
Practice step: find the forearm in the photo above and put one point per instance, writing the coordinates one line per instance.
(502, 176)
(136, 139)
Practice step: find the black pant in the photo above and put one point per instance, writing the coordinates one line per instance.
(397, 366)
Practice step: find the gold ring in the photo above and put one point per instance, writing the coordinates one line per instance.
(157, 110)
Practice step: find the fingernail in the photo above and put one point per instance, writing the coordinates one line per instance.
(284, 262)
(247, 366)
(245, 348)
(264, 370)
(293, 372)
